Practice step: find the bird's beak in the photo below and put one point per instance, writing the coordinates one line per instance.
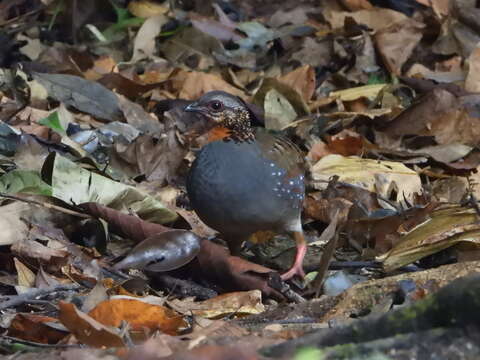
(193, 107)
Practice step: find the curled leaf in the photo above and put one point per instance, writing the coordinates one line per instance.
(163, 252)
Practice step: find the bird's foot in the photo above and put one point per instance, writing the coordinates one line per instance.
(295, 270)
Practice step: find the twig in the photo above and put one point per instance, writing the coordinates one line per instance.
(337, 265)
(9, 340)
(45, 205)
(184, 287)
(282, 287)
(332, 233)
(10, 301)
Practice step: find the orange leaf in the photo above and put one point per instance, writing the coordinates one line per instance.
(138, 314)
(88, 330)
(32, 328)
(302, 80)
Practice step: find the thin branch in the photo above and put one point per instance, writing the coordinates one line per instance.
(11, 301)
(45, 205)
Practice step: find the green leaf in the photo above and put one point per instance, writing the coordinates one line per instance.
(24, 181)
(53, 122)
(73, 184)
(309, 353)
(124, 21)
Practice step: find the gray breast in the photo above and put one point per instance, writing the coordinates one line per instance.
(235, 190)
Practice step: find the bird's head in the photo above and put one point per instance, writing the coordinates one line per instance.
(225, 111)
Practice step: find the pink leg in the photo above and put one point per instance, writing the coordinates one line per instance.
(297, 267)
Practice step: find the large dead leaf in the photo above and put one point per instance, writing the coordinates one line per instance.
(144, 44)
(32, 327)
(194, 84)
(84, 95)
(25, 276)
(472, 82)
(73, 184)
(439, 113)
(375, 18)
(381, 177)
(13, 228)
(236, 303)
(166, 251)
(139, 314)
(302, 80)
(86, 329)
(445, 228)
(279, 113)
(396, 43)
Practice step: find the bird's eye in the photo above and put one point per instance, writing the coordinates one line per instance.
(215, 105)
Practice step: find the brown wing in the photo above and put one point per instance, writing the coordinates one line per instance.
(282, 151)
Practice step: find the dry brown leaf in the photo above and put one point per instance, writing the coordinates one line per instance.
(445, 228)
(102, 66)
(35, 250)
(318, 150)
(32, 327)
(139, 314)
(439, 76)
(236, 303)
(441, 7)
(194, 84)
(396, 43)
(26, 277)
(472, 82)
(302, 80)
(44, 280)
(354, 5)
(381, 177)
(376, 18)
(144, 45)
(13, 228)
(86, 329)
(441, 114)
(347, 143)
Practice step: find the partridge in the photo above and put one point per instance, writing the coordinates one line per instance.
(247, 179)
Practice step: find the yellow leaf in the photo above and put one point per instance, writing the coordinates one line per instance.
(366, 91)
(25, 276)
(146, 9)
(381, 177)
(446, 227)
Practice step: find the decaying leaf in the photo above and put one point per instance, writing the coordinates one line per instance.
(89, 186)
(86, 329)
(163, 252)
(34, 328)
(14, 229)
(278, 111)
(446, 227)
(302, 80)
(397, 42)
(139, 314)
(386, 178)
(26, 277)
(237, 303)
(439, 113)
(84, 95)
(472, 82)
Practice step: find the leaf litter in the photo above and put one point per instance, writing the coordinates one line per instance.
(382, 99)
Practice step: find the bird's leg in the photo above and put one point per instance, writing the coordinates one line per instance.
(297, 267)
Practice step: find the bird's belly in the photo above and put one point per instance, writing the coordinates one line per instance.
(236, 191)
